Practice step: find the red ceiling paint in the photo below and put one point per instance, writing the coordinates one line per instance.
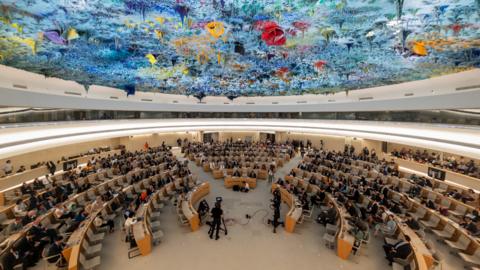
(273, 34)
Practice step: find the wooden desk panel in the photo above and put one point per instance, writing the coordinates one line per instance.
(262, 174)
(143, 237)
(422, 255)
(295, 212)
(188, 206)
(231, 181)
(217, 174)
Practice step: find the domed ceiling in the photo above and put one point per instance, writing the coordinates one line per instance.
(240, 47)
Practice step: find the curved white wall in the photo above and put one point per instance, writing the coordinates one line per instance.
(456, 91)
(451, 139)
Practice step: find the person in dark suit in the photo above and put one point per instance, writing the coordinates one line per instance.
(10, 259)
(217, 214)
(327, 216)
(355, 196)
(318, 198)
(412, 222)
(41, 234)
(370, 211)
(401, 250)
(54, 252)
(28, 250)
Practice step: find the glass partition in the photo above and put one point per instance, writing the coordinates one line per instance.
(9, 115)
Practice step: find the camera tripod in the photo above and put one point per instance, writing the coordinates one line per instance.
(224, 229)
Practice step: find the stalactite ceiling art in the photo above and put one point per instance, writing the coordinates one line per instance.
(240, 47)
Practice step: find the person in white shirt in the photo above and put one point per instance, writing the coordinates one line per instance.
(131, 220)
(61, 212)
(20, 209)
(7, 167)
(270, 175)
(246, 187)
(46, 181)
(99, 222)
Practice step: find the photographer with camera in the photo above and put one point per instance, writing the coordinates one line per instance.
(276, 202)
(217, 214)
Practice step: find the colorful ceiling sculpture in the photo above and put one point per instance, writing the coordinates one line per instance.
(240, 47)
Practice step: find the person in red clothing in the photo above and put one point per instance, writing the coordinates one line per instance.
(143, 197)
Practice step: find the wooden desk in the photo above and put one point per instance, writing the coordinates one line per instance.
(279, 162)
(188, 205)
(295, 212)
(143, 237)
(262, 174)
(299, 182)
(217, 174)
(344, 239)
(142, 230)
(74, 244)
(206, 167)
(422, 255)
(230, 181)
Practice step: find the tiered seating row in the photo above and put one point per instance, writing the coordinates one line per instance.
(422, 257)
(78, 250)
(10, 184)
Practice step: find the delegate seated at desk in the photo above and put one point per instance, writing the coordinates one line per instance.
(7, 168)
(252, 174)
(246, 187)
(54, 252)
(327, 216)
(237, 173)
(401, 250)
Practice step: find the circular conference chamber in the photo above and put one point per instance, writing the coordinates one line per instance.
(141, 134)
(179, 164)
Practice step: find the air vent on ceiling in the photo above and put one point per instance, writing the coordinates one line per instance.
(175, 101)
(467, 87)
(250, 103)
(147, 99)
(302, 102)
(331, 100)
(408, 94)
(20, 86)
(365, 98)
(275, 102)
(72, 93)
(113, 97)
